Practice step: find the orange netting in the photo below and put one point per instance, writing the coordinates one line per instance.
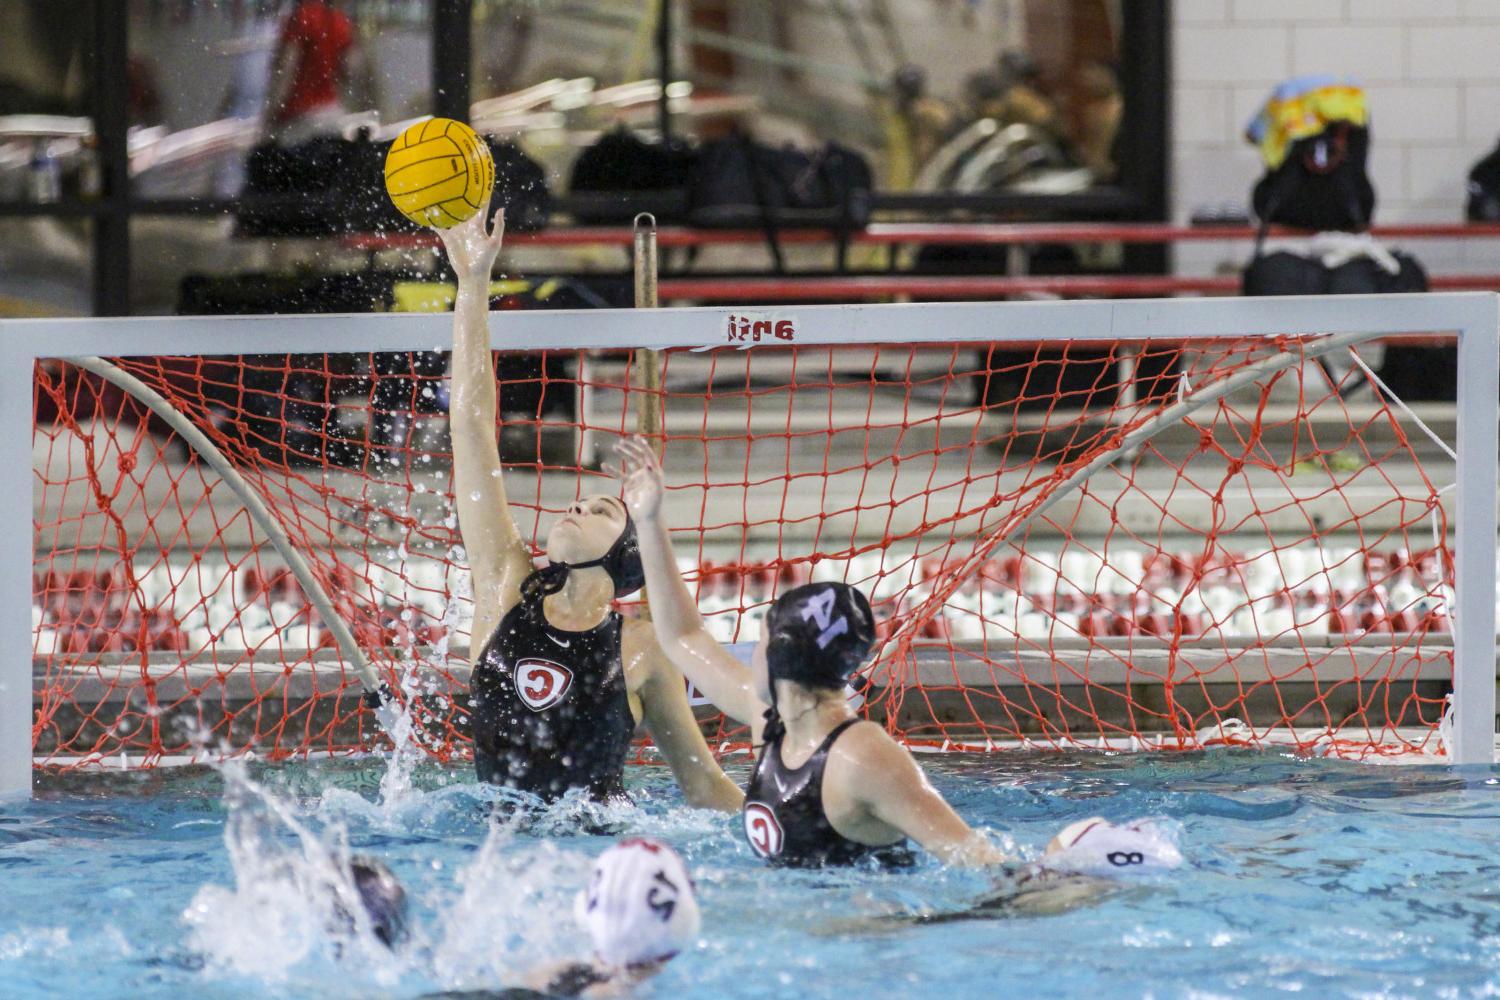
(1084, 544)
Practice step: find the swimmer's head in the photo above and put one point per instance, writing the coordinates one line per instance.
(383, 898)
(595, 531)
(816, 636)
(1096, 846)
(639, 906)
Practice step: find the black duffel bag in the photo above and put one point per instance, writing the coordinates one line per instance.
(740, 184)
(297, 190)
(329, 186)
(621, 175)
(1284, 273)
(1412, 372)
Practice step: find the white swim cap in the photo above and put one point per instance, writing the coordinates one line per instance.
(639, 905)
(1097, 847)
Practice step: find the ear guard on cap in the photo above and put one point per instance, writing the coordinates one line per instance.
(639, 905)
(1098, 847)
(622, 562)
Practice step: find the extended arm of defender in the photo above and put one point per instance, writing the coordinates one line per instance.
(900, 795)
(675, 731)
(722, 678)
(498, 559)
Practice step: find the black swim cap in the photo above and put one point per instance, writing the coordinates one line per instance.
(819, 634)
(383, 897)
(622, 562)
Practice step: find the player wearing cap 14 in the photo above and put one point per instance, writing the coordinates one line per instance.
(827, 788)
(559, 679)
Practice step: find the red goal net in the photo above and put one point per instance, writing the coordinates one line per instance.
(1156, 544)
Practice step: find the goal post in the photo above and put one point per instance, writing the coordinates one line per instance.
(1007, 481)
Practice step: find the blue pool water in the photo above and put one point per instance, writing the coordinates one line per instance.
(1312, 877)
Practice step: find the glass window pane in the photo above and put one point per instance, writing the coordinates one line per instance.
(210, 80)
(177, 263)
(1013, 95)
(46, 150)
(46, 267)
(555, 75)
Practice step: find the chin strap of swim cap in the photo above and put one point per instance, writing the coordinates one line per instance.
(622, 562)
(774, 729)
(639, 905)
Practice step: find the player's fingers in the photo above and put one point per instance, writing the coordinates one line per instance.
(624, 454)
(634, 449)
(641, 450)
(497, 225)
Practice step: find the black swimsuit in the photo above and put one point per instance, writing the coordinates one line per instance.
(569, 981)
(551, 712)
(784, 818)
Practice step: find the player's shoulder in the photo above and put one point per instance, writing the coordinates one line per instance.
(639, 651)
(637, 634)
(866, 744)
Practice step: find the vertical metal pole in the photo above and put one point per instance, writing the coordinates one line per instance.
(15, 567)
(648, 412)
(1474, 560)
(648, 362)
(111, 223)
(664, 69)
(452, 54)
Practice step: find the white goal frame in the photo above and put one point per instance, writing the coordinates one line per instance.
(1474, 317)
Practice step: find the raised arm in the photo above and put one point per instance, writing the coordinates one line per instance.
(498, 558)
(722, 678)
(665, 710)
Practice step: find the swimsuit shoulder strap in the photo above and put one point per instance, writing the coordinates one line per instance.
(833, 736)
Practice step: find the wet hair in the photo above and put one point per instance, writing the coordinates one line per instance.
(383, 897)
(819, 634)
(622, 562)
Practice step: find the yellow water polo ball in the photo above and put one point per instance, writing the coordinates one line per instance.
(438, 172)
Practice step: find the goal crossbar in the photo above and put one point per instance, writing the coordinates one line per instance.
(1474, 318)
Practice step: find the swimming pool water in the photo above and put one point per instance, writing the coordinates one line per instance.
(1303, 876)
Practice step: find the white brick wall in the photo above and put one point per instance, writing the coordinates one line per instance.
(1432, 72)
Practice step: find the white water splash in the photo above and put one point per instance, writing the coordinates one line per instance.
(289, 904)
(512, 913)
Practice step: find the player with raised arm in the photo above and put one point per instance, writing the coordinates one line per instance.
(559, 680)
(827, 787)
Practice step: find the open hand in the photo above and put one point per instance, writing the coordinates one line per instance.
(472, 246)
(641, 474)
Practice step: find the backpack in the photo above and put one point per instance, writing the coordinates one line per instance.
(1322, 185)
(1483, 203)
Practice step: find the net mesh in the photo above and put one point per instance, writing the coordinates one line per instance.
(1151, 544)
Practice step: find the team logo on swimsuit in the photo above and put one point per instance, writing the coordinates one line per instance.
(762, 829)
(542, 683)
